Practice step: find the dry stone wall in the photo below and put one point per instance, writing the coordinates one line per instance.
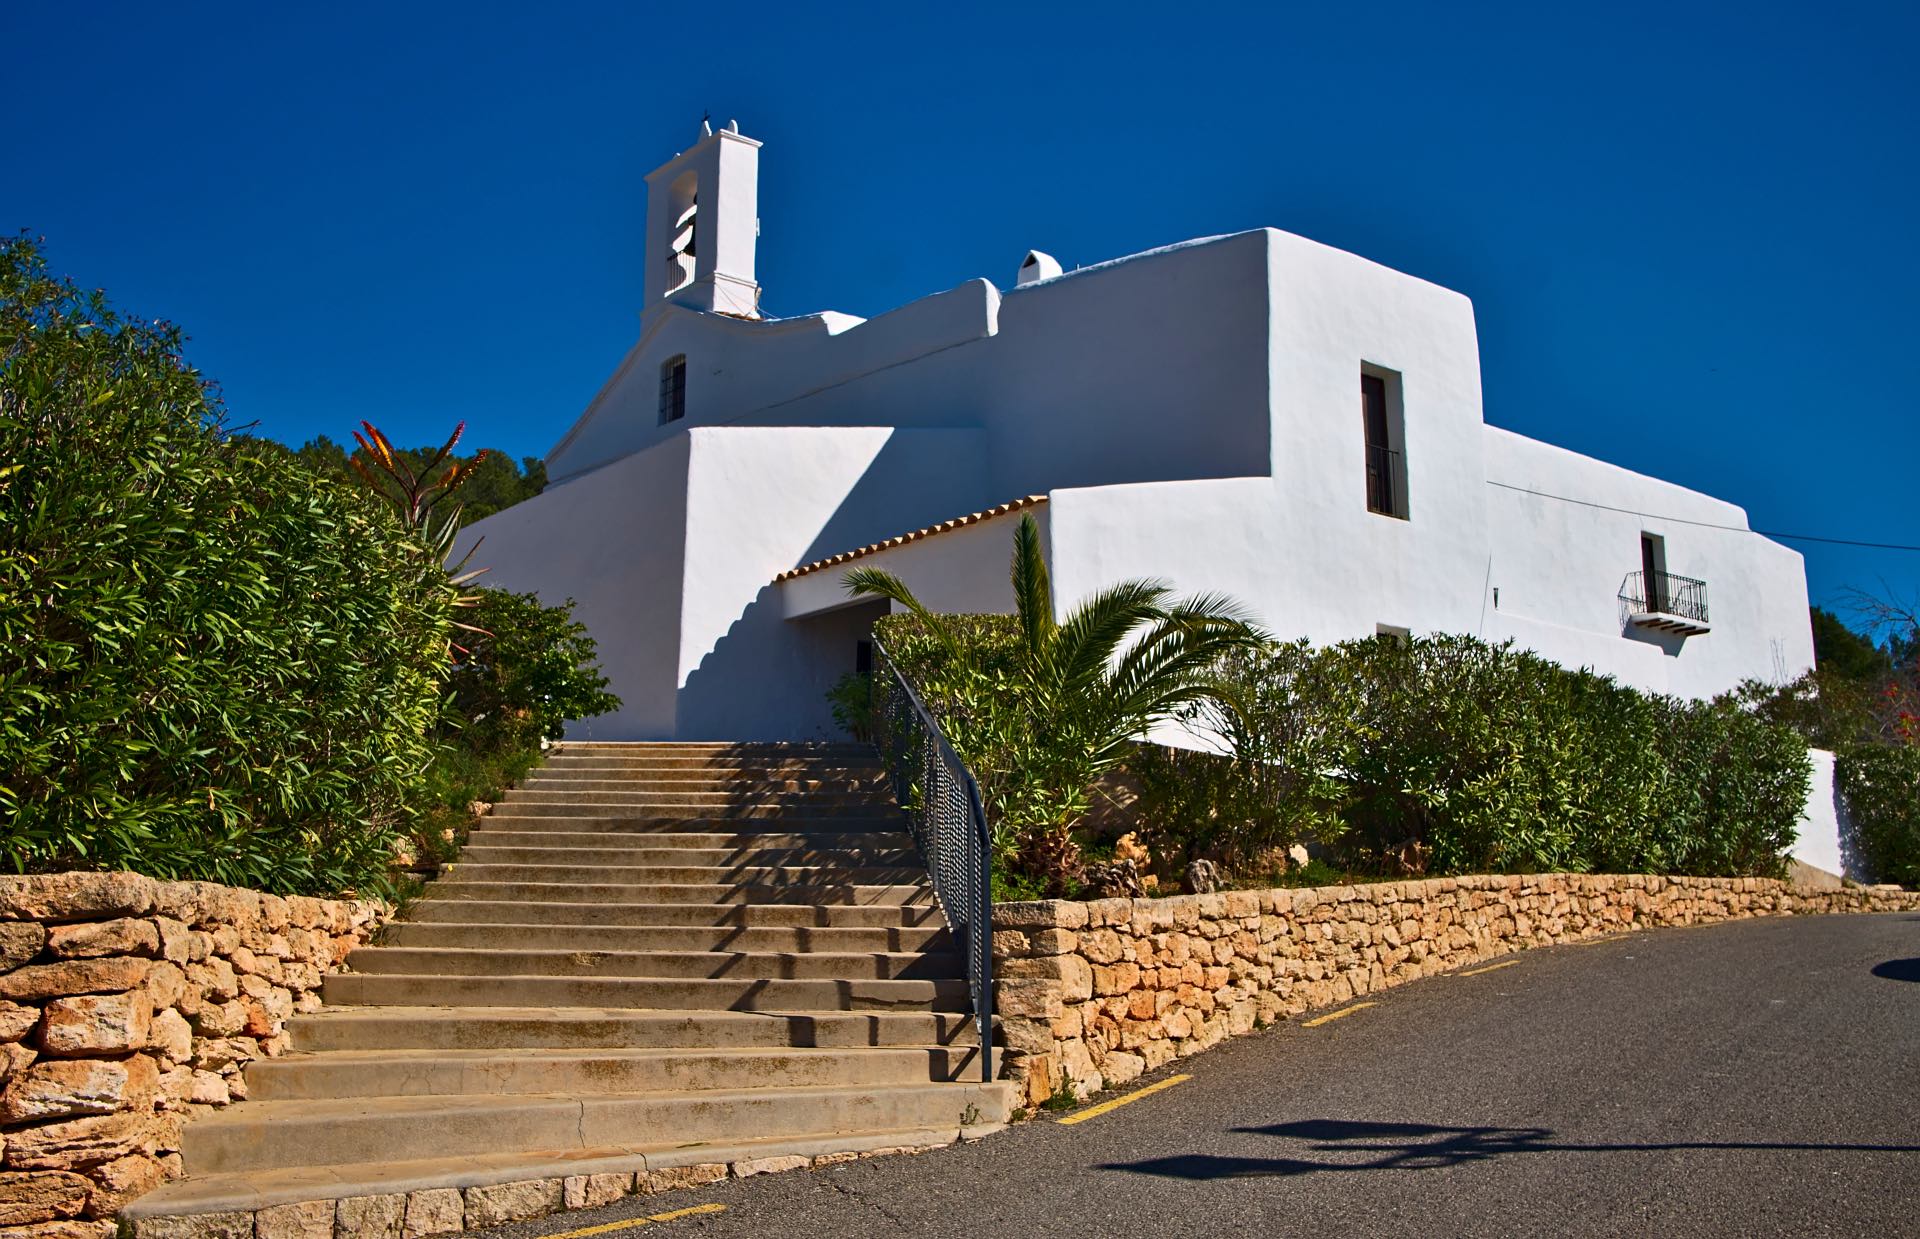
(1091, 995)
(126, 1005)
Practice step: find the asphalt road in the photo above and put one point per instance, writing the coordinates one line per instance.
(1754, 1078)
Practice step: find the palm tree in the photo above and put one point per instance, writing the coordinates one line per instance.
(1088, 686)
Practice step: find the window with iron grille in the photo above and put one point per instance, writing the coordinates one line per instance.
(1380, 416)
(673, 389)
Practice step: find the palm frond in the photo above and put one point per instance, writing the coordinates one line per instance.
(1032, 590)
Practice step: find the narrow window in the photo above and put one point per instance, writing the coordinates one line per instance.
(863, 657)
(1394, 633)
(1653, 570)
(1381, 419)
(673, 389)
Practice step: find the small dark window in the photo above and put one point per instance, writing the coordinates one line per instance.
(863, 657)
(1386, 478)
(673, 389)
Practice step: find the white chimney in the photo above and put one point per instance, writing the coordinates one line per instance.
(1038, 266)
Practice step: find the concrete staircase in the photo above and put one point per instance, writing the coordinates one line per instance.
(649, 955)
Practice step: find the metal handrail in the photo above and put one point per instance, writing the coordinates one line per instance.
(1384, 486)
(948, 824)
(1670, 594)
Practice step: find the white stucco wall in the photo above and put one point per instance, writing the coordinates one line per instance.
(615, 542)
(1559, 565)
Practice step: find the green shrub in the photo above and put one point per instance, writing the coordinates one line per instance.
(529, 670)
(1880, 784)
(1447, 754)
(851, 700)
(213, 662)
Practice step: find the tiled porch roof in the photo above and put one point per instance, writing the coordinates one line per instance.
(958, 522)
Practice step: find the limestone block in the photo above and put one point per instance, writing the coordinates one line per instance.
(588, 1191)
(769, 1165)
(70, 1229)
(674, 1177)
(369, 1217)
(26, 1198)
(1035, 998)
(17, 1021)
(14, 1056)
(208, 1089)
(1119, 1068)
(221, 1020)
(434, 1211)
(1054, 942)
(75, 896)
(123, 1180)
(96, 939)
(96, 1024)
(74, 976)
(1010, 944)
(1026, 1036)
(169, 1034)
(237, 1224)
(499, 1203)
(59, 1088)
(20, 941)
(1040, 914)
(306, 1219)
(75, 1144)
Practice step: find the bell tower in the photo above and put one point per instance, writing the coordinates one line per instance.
(703, 221)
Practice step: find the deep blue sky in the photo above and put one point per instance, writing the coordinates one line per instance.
(1688, 231)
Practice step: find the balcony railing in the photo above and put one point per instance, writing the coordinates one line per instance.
(1665, 601)
(1385, 487)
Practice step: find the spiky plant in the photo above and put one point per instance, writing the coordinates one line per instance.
(416, 495)
(1122, 661)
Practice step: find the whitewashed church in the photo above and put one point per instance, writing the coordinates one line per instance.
(1256, 414)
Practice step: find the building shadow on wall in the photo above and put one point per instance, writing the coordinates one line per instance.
(1346, 1147)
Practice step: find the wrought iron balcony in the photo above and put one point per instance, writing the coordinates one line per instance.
(1386, 489)
(1665, 602)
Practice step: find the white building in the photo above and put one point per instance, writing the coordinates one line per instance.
(1256, 414)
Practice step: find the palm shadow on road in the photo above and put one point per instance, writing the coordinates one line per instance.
(1420, 1146)
(1899, 969)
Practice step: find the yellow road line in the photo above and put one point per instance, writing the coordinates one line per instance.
(1341, 1014)
(1095, 1112)
(1490, 968)
(607, 1228)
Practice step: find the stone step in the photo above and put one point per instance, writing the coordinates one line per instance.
(608, 805)
(501, 1028)
(722, 803)
(731, 965)
(592, 1072)
(693, 766)
(482, 849)
(671, 994)
(733, 785)
(823, 841)
(474, 908)
(276, 1134)
(781, 750)
(616, 821)
(511, 936)
(684, 892)
(176, 1206)
(769, 876)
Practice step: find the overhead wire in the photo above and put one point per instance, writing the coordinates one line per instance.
(1681, 520)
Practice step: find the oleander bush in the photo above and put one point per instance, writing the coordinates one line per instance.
(1440, 755)
(1447, 754)
(520, 671)
(1880, 784)
(214, 663)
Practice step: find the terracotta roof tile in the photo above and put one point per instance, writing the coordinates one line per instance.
(958, 522)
